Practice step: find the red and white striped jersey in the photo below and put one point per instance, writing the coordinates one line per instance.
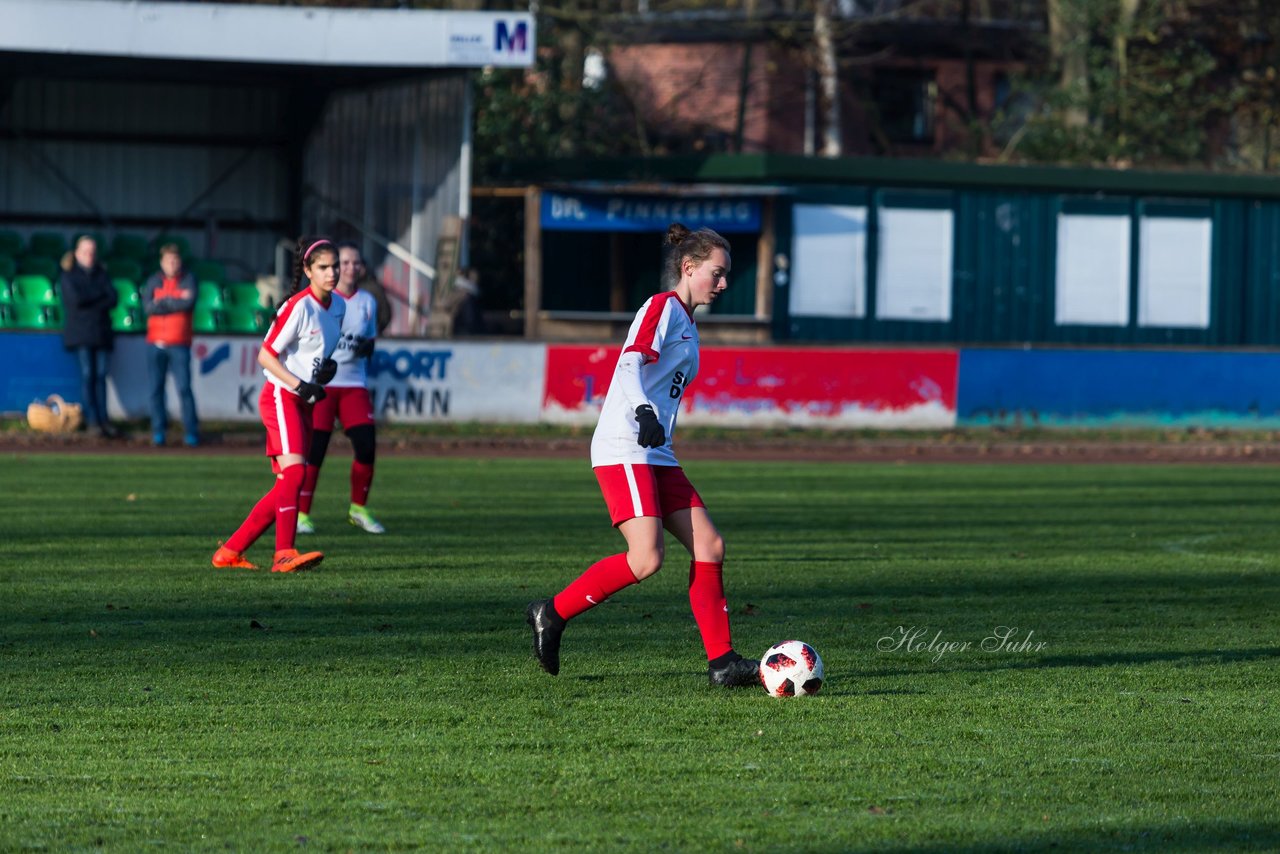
(360, 323)
(304, 333)
(666, 336)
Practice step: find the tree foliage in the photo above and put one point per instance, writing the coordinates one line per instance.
(1153, 82)
(549, 111)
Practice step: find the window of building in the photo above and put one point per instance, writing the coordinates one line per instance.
(1174, 254)
(913, 277)
(906, 102)
(829, 261)
(1092, 285)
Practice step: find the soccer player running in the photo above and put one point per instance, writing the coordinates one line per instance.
(347, 398)
(644, 486)
(299, 344)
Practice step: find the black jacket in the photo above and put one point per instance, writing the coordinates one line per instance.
(87, 299)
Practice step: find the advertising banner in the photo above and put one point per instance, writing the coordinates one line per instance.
(410, 381)
(619, 212)
(776, 387)
(35, 366)
(1119, 388)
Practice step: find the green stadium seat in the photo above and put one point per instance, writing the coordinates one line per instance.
(207, 319)
(8, 315)
(127, 319)
(133, 246)
(209, 271)
(11, 243)
(6, 291)
(39, 265)
(209, 295)
(244, 295)
(50, 244)
(120, 267)
(37, 316)
(128, 291)
(34, 290)
(8, 267)
(248, 320)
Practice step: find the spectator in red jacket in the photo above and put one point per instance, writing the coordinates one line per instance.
(168, 299)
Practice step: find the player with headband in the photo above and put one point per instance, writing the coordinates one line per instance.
(295, 357)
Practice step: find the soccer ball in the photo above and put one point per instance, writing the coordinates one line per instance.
(791, 668)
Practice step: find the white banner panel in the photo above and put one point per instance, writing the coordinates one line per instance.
(1173, 271)
(222, 32)
(913, 281)
(1092, 285)
(829, 261)
(411, 381)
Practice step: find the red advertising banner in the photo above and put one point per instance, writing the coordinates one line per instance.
(776, 386)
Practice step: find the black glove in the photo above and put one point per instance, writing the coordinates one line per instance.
(324, 372)
(651, 433)
(310, 392)
(364, 349)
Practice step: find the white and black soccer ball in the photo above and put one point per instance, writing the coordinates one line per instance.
(791, 668)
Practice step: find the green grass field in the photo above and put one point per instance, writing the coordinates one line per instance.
(389, 700)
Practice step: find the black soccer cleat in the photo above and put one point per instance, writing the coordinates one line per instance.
(547, 628)
(735, 673)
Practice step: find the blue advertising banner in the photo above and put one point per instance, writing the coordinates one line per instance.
(592, 212)
(36, 366)
(1094, 388)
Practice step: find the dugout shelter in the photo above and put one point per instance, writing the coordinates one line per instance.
(235, 127)
(908, 252)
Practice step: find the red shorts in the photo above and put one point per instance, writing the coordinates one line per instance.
(350, 404)
(635, 489)
(287, 419)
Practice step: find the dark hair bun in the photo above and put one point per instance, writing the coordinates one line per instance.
(677, 234)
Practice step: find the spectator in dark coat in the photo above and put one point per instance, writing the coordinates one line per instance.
(88, 297)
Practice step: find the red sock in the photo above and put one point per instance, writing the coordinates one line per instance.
(286, 492)
(603, 579)
(256, 523)
(309, 479)
(361, 480)
(710, 611)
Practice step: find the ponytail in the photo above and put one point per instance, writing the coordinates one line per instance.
(307, 246)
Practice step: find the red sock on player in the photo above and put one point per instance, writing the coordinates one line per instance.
(361, 480)
(286, 493)
(255, 524)
(603, 579)
(309, 480)
(710, 609)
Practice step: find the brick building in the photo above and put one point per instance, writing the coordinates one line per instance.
(915, 79)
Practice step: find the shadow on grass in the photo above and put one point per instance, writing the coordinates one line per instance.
(993, 661)
(1223, 836)
(491, 624)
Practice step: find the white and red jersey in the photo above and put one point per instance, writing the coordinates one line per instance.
(359, 324)
(666, 336)
(304, 333)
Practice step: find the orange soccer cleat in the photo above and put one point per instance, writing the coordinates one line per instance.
(225, 558)
(288, 560)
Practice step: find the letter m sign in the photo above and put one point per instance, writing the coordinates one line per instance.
(509, 40)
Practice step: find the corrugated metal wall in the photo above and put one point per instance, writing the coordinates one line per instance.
(388, 160)
(134, 157)
(1003, 272)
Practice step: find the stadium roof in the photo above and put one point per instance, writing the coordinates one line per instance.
(268, 35)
